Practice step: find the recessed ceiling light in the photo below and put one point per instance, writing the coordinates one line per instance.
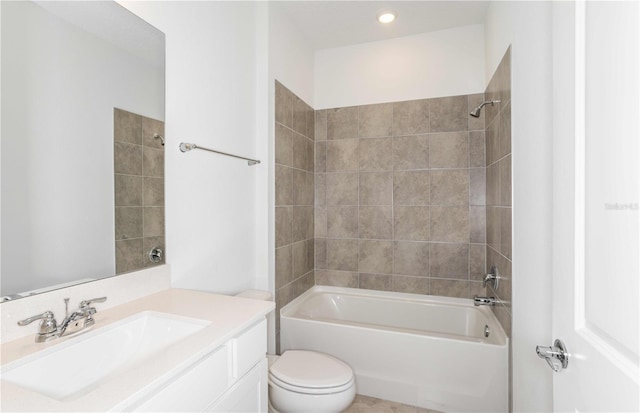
(386, 16)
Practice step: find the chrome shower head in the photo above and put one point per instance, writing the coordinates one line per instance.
(476, 112)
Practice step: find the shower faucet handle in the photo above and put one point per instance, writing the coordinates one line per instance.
(492, 278)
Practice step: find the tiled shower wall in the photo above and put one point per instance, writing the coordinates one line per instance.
(139, 190)
(499, 211)
(400, 197)
(294, 130)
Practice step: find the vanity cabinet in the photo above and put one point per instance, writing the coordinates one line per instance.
(231, 378)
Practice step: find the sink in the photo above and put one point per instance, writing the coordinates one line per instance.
(77, 365)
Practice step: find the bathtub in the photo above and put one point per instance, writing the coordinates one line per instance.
(424, 351)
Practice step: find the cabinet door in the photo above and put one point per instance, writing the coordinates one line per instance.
(248, 349)
(249, 394)
(194, 389)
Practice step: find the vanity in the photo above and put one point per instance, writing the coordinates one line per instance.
(195, 351)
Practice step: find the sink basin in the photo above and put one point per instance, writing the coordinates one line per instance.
(73, 367)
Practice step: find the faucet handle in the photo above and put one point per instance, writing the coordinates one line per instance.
(48, 324)
(87, 303)
(492, 278)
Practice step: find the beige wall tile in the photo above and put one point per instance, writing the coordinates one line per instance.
(320, 125)
(342, 222)
(284, 221)
(375, 257)
(411, 223)
(475, 101)
(411, 187)
(342, 123)
(504, 317)
(311, 122)
(337, 278)
(493, 185)
(284, 185)
(153, 191)
(127, 158)
(476, 149)
(376, 188)
(505, 232)
(320, 249)
(320, 197)
(504, 179)
(302, 223)
(284, 145)
(300, 150)
(129, 255)
(449, 224)
(380, 282)
(375, 222)
(128, 222)
(449, 150)
(320, 222)
(376, 154)
(300, 259)
(493, 227)
(411, 152)
(413, 285)
(153, 218)
(410, 117)
(411, 258)
(343, 155)
(283, 105)
(477, 186)
(492, 138)
(342, 188)
(449, 114)
(127, 126)
(477, 259)
(505, 130)
(321, 156)
(477, 224)
(153, 162)
(284, 266)
(342, 254)
(449, 288)
(128, 190)
(300, 116)
(302, 187)
(375, 121)
(449, 261)
(450, 187)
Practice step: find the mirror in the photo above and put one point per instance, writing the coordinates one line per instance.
(82, 162)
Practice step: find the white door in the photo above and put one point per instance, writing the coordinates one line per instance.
(595, 268)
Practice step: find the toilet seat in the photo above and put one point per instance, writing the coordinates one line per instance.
(310, 372)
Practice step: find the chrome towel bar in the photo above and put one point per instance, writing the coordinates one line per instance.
(185, 147)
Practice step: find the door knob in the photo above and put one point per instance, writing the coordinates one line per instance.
(556, 356)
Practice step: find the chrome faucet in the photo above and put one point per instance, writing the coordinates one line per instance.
(484, 301)
(71, 324)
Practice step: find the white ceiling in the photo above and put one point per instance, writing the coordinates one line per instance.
(328, 24)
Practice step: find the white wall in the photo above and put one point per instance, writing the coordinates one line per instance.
(211, 99)
(443, 63)
(62, 83)
(527, 27)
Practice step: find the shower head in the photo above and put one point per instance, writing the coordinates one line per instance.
(476, 112)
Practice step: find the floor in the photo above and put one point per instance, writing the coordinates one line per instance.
(365, 404)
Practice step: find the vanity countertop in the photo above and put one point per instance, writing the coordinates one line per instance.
(228, 316)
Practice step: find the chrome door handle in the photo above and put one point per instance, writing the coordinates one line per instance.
(556, 356)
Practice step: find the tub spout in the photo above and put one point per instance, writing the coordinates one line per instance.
(484, 301)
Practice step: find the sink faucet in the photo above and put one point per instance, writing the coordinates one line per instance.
(71, 324)
(484, 301)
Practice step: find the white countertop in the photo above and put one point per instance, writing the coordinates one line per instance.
(228, 316)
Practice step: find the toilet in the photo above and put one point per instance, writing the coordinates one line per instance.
(306, 381)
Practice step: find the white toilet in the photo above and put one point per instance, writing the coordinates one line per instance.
(306, 381)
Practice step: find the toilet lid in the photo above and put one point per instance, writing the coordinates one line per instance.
(311, 369)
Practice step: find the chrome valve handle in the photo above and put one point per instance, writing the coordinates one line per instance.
(47, 315)
(87, 303)
(556, 356)
(48, 325)
(492, 278)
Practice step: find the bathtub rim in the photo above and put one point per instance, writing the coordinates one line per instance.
(289, 310)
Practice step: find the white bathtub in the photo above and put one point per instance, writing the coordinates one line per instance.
(419, 350)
